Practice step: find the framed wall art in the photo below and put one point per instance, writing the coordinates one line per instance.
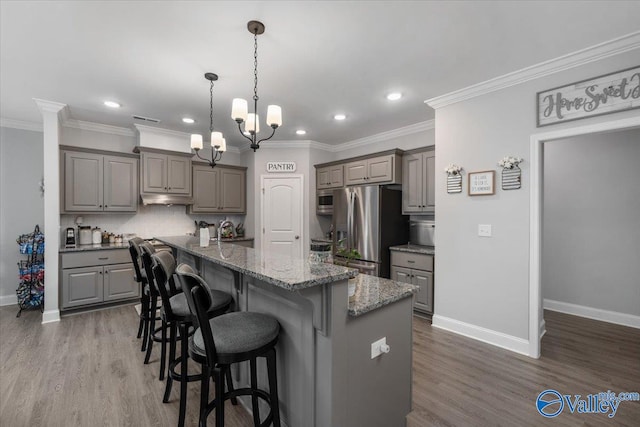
(482, 183)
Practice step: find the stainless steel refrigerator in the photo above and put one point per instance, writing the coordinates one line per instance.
(368, 219)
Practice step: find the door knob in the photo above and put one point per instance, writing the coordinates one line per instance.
(297, 237)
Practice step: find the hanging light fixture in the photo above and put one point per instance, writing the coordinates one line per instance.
(218, 143)
(239, 108)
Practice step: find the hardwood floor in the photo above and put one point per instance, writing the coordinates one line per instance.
(87, 371)
(462, 382)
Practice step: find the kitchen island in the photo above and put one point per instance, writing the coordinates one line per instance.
(326, 376)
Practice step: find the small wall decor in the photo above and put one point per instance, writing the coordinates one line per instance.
(454, 178)
(511, 173)
(482, 183)
(605, 94)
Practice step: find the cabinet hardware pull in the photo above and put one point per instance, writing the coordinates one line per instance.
(103, 258)
(106, 272)
(101, 272)
(100, 205)
(411, 262)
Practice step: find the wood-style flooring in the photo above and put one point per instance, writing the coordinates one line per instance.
(87, 370)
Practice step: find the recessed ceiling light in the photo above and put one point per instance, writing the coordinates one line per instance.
(339, 117)
(301, 132)
(394, 96)
(188, 120)
(111, 104)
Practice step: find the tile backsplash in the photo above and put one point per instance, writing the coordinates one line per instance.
(149, 221)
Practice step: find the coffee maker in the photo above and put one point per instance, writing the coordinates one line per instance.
(70, 237)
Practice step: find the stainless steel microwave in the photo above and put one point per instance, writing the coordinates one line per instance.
(324, 202)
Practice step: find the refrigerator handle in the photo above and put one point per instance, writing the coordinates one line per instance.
(350, 221)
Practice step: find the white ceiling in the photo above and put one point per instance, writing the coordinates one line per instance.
(315, 58)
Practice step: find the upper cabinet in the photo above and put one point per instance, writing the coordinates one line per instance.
(418, 183)
(165, 173)
(379, 168)
(374, 170)
(222, 189)
(98, 182)
(330, 177)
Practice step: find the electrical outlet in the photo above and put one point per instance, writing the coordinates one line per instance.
(484, 230)
(379, 347)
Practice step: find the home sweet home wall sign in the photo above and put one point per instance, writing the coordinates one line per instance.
(587, 98)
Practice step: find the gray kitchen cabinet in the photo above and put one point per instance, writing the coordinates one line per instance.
(418, 183)
(96, 277)
(415, 269)
(97, 182)
(371, 171)
(222, 189)
(165, 173)
(330, 177)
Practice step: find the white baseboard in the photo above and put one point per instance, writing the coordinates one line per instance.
(623, 319)
(508, 342)
(8, 300)
(50, 316)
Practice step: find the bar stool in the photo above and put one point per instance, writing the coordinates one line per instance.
(145, 298)
(175, 314)
(227, 339)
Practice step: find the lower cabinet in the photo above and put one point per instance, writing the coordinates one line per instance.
(96, 277)
(415, 269)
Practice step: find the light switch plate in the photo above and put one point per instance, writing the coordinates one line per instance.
(484, 230)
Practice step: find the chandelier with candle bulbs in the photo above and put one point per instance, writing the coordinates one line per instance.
(239, 108)
(218, 143)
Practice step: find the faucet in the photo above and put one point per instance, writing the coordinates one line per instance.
(223, 224)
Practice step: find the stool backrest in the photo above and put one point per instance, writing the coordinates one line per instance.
(164, 265)
(200, 301)
(134, 251)
(146, 250)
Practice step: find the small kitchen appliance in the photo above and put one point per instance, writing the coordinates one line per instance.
(70, 237)
(422, 232)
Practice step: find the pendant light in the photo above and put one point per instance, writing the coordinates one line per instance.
(218, 143)
(239, 108)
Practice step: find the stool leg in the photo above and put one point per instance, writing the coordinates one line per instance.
(141, 322)
(204, 395)
(273, 386)
(163, 348)
(150, 332)
(254, 398)
(172, 358)
(145, 313)
(218, 378)
(234, 400)
(184, 357)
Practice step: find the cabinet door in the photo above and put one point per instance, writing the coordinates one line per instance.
(206, 182)
(323, 178)
(179, 181)
(424, 298)
(154, 173)
(120, 184)
(233, 190)
(83, 182)
(380, 169)
(412, 183)
(429, 181)
(400, 274)
(119, 282)
(81, 286)
(355, 172)
(336, 176)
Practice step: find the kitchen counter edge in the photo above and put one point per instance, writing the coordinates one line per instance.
(375, 292)
(414, 249)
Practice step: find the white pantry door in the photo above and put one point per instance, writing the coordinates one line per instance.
(282, 202)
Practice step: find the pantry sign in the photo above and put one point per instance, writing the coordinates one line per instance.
(287, 167)
(606, 94)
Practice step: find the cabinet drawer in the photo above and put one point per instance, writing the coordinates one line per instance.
(105, 257)
(411, 260)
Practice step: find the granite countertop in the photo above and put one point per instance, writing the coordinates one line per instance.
(321, 240)
(416, 249)
(375, 292)
(279, 270)
(106, 246)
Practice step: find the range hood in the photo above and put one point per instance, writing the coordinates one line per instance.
(166, 199)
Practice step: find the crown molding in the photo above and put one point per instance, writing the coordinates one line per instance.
(594, 53)
(20, 124)
(98, 127)
(385, 136)
(306, 144)
(161, 131)
(52, 107)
